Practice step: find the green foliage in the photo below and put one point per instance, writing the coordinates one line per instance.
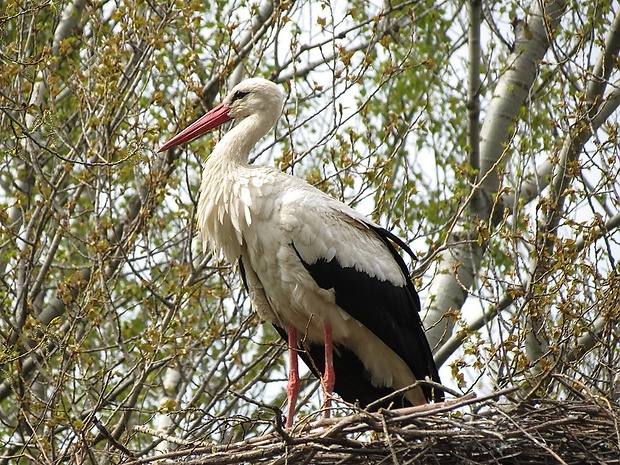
(106, 292)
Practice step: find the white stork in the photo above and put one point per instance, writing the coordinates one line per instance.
(328, 279)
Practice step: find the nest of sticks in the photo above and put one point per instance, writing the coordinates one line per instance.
(483, 430)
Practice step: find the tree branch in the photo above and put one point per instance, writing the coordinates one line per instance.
(457, 266)
(563, 174)
(473, 87)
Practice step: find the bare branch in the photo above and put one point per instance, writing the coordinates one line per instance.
(457, 266)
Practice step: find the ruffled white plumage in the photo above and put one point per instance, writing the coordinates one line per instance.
(277, 224)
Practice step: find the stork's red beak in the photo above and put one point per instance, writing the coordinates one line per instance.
(210, 120)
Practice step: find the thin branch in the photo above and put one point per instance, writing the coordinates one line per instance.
(473, 86)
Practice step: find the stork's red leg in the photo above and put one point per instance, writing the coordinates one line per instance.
(292, 388)
(329, 376)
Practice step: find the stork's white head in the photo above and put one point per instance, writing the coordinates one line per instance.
(254, 97)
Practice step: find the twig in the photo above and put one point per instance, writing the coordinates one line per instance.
(439, 406)
(102, 429)
(388, 440)
(166, 437)
(533, 439)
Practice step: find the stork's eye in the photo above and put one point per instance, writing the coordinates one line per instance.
(239, 95)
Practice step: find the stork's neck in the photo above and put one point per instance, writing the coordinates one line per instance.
(220, 209)
(237, 143)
